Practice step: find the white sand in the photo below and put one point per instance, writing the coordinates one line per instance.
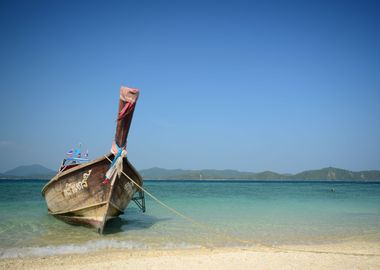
(339, 256)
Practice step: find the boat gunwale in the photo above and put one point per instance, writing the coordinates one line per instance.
(72, 170)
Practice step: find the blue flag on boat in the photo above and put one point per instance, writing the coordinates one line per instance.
(77, 153)
(70, 153)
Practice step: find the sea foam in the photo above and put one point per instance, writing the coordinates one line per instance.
(89, 246)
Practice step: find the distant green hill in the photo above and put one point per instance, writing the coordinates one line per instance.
(34, 171)
(338, 174)
(40, 172)
(322, 174)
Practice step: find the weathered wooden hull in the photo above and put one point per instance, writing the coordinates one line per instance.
(81, 195)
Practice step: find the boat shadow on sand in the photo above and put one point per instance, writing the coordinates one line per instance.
(131, 222)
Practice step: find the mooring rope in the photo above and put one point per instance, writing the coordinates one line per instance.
(211, 229)
(228, 236)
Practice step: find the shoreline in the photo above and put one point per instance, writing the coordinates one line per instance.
(274, 180)
(349, 255)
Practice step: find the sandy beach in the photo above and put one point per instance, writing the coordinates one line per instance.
(334, 256)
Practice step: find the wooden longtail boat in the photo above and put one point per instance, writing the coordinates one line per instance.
(92, 193)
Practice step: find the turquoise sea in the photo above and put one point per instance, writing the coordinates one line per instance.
(274, 213)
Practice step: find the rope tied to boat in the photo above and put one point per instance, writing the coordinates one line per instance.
(116, 167)
(238, 239)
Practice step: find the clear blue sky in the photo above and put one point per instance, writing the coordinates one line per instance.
(254, 85)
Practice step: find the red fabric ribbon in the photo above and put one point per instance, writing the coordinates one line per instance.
(126, 109)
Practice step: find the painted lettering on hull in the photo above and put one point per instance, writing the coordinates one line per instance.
(73, 188)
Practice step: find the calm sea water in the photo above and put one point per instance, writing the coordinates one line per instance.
(257, 212)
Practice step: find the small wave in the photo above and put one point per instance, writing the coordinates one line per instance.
(90, 246)
(182, 245)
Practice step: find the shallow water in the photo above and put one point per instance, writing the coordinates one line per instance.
(233, 213)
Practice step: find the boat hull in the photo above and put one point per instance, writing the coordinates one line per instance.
(83, 196)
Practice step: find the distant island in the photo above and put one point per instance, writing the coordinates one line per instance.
(329, 173)
(37, 171)
(34, 171)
